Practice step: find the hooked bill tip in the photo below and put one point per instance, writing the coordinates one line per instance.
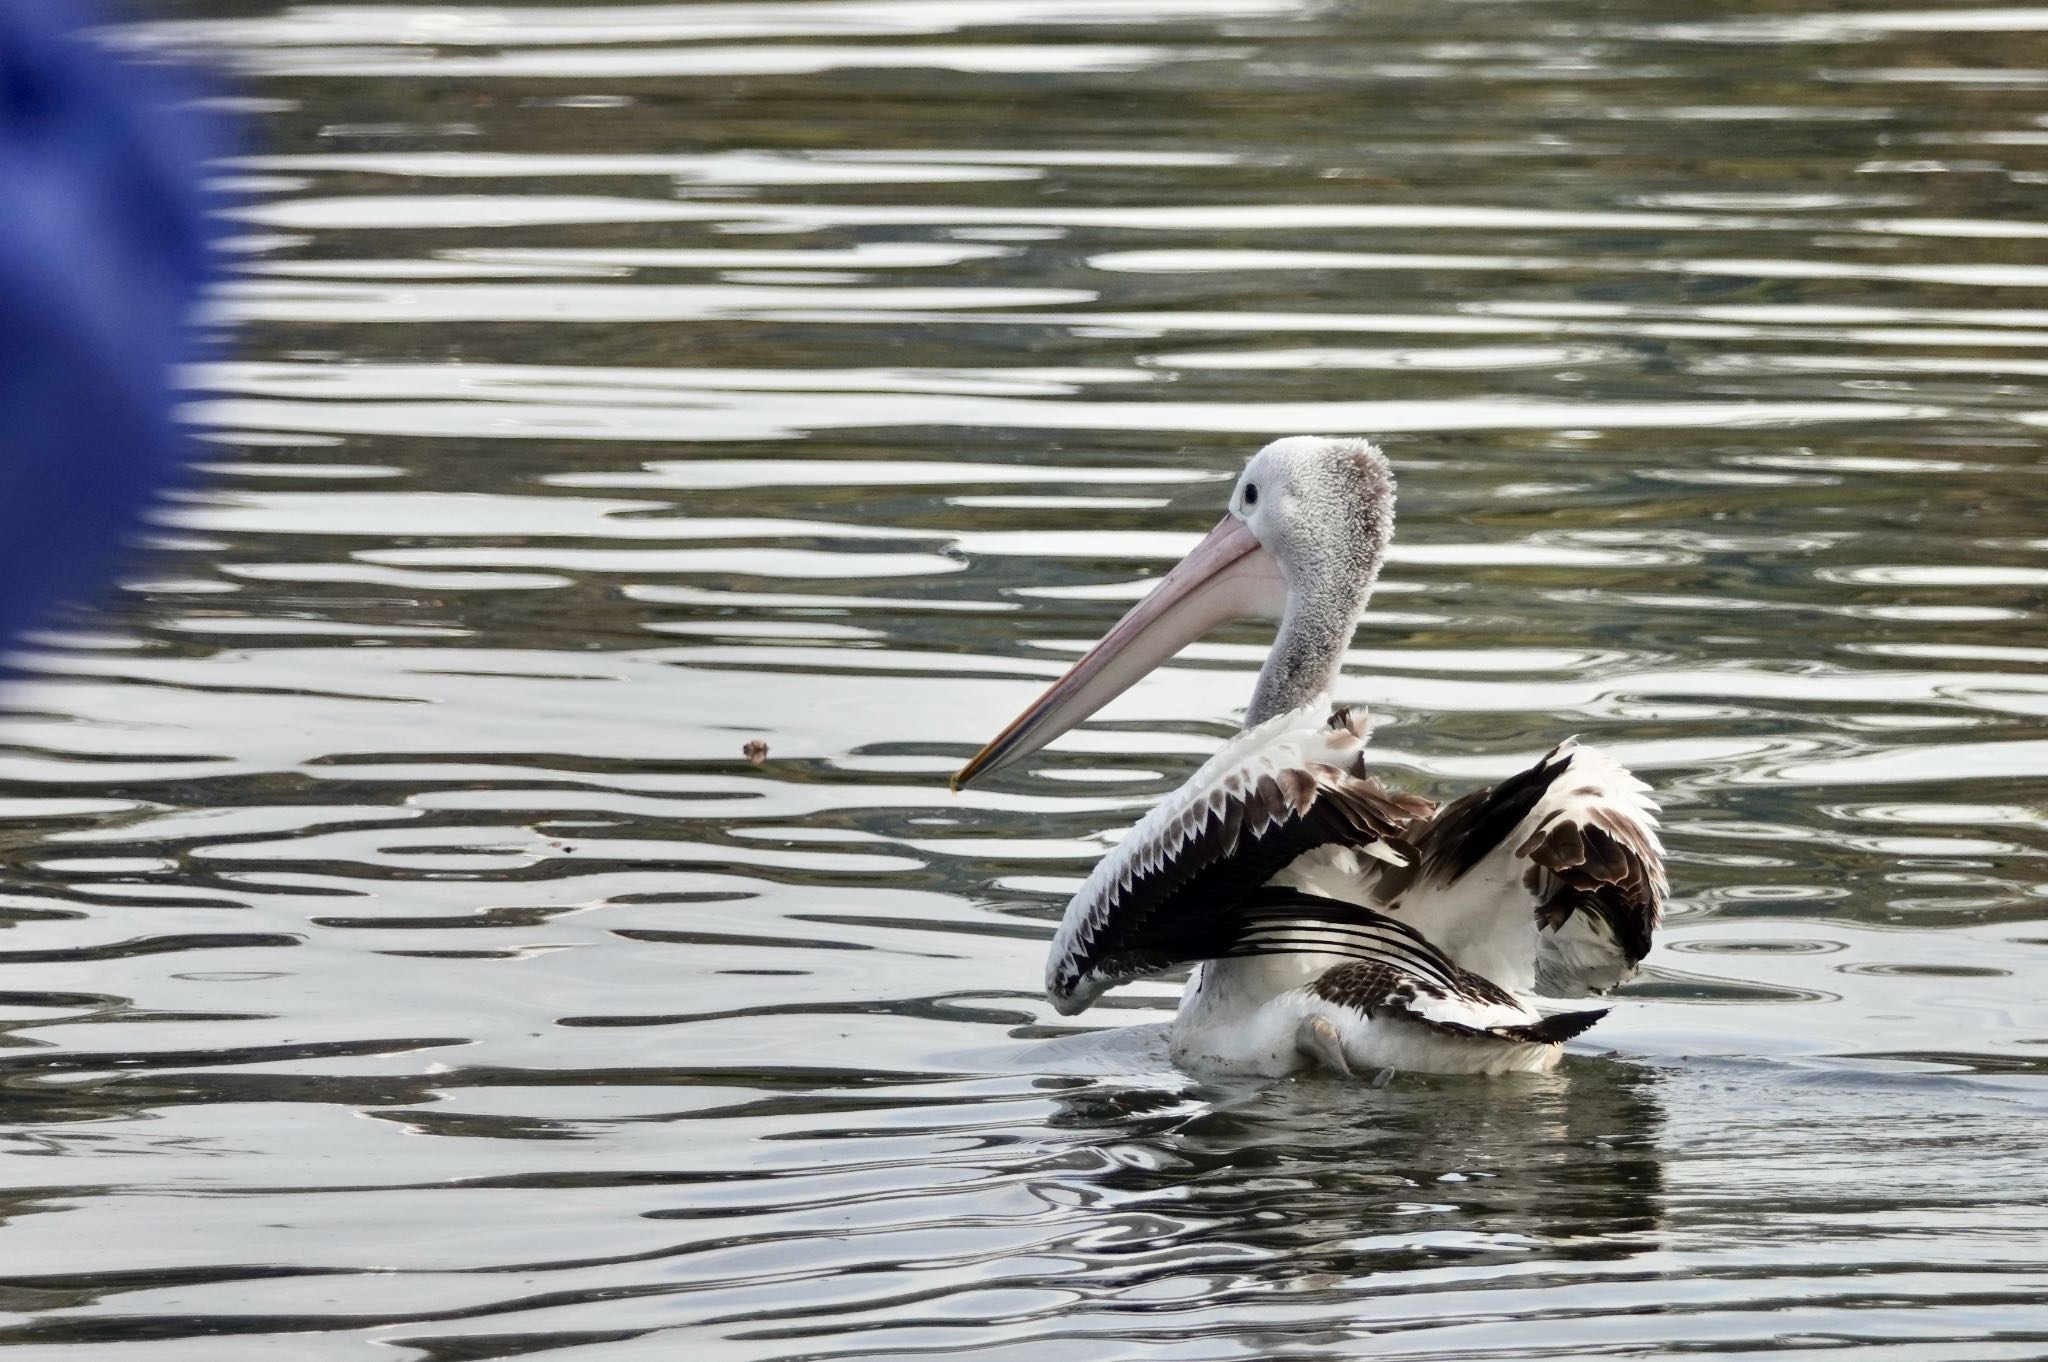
(976, 765)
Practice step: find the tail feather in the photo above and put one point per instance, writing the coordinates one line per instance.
(1559, 1026)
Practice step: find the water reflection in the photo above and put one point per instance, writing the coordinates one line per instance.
(1350, 1182)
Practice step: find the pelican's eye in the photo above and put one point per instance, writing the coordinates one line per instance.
(1251, 495)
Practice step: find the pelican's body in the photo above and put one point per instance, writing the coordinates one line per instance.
(1334, 924)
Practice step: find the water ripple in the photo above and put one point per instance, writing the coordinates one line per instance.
(410, 946)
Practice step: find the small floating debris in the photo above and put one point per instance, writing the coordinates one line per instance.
(755, 751)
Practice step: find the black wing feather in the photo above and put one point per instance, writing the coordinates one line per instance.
(1389, 967)
(1183, 908)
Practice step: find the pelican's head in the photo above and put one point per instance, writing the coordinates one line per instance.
(1302, 541)
(1321, 509)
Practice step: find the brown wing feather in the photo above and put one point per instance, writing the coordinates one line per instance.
(1606, 867)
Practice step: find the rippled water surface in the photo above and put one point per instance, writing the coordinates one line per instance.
(404, 962)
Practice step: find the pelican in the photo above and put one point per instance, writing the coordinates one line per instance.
(1334, 924)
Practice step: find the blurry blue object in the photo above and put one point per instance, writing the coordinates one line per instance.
(104, 245)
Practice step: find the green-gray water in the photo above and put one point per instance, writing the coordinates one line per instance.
(404, 964)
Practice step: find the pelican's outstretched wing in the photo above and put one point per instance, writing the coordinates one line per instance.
(1552, 880)
(1170, 891)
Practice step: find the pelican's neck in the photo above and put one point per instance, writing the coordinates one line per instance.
(1307, 654)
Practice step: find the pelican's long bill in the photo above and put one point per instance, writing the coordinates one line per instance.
(1228, 576)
